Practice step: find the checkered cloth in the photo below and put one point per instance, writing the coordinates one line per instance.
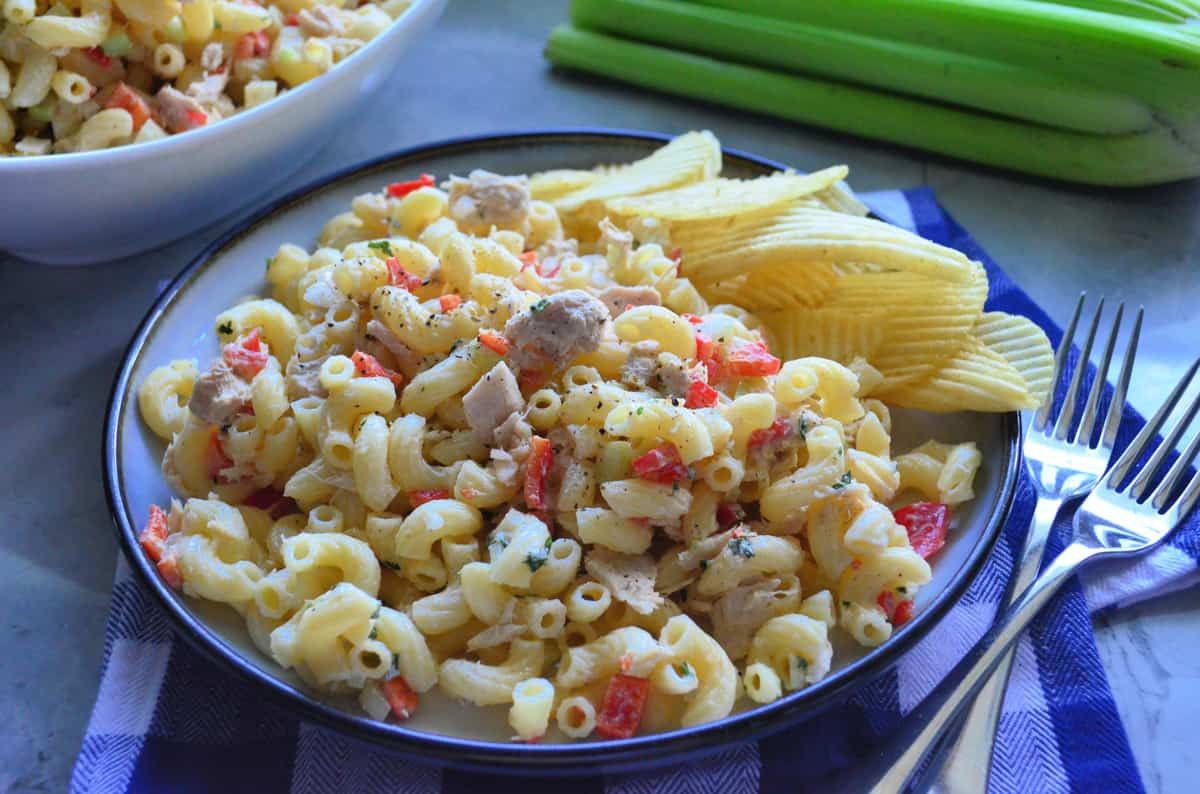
(168, 719)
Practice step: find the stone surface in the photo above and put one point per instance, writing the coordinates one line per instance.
(481, 71)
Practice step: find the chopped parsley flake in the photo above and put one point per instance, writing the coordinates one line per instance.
(902, 590)
(801, 662)
(225, 328)
(375, 614)
(549, 540)
(539, 306)
(684, 670)
(535, 561)
(374, 633)
(381, 245)
(704, 565)
(391, 566)
(741, 547)
(803, 428)
(640, 410)
(842, 483)
(269, 261)
(501, 541)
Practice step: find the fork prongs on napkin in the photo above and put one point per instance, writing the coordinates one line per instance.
(1070, 403)
(1061, 357)
(1141, 444)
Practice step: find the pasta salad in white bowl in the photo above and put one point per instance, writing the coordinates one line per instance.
(490, 459)
(173, 115)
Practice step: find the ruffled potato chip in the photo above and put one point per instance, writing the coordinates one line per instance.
(775, 288)
(840, 198)
(551, 185)
(1024, 346)
(925, 320)
(827, 333)
(692, 157)
(1007, 364)
(716, 199)
(800, 234)
(976, 378)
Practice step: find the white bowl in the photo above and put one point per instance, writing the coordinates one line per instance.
(76, 209)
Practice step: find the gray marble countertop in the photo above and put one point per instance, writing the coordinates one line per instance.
(481, 70)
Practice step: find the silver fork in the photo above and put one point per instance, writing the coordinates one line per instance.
(1063, 465)
(1121, 517)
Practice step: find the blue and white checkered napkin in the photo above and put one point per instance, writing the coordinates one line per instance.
(168, 719)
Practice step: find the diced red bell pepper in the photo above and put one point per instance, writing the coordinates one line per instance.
(693, 319)
(369, 367)
(701, 395)
(400, 697)
(402, 189)
(494, 342)
(926, 524)
(450, 302)
(99, 56)
(252, 45)
(197, 118)
(130, 101)
(153, 540)
(272, 501)
(153, 537)
(541, 457)
(903, 613)
(767, 435)
(418, 498)
(886, 602)
(621, 710)
(729, 514)
(529, 259)
(531, 379)
(675, 254)
(399, 277)
(292, 19)
(708, 353)
(168, 569)
(751, 360)
(245, 356)
(215, 459)
(661, 464)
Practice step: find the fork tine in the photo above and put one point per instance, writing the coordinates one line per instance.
(1087, 421)
(1142, 481)
(1067, 414)
(1167, 486)
(1129, 457)
(1116, 408)
(1060, 363)
(1189, 498)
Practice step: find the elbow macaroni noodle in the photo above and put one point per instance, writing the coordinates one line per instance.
(378, 506)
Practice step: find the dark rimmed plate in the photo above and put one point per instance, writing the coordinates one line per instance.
(179, 325)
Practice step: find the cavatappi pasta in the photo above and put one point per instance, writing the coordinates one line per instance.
(78, 75)
(489, 438)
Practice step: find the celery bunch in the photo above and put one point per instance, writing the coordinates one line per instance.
(1103, 92)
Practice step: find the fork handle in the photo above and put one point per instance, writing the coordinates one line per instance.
(928, 723)
(969, 760)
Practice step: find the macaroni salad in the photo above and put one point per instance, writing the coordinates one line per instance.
(79, 75)
(486, 438)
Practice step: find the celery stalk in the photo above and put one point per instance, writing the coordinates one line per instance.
(1154, 10)
(1006, 89)
(1156, 61)
(1157, 155)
